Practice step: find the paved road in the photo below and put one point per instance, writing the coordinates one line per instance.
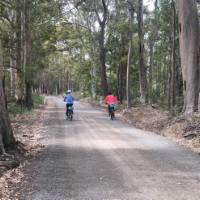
(93, 158)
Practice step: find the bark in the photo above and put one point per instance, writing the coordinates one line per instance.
(19, 74)
(29, 101)
(12, 77)
(4, 91)
(93, 81)
(189, 52)
(142, 70)
(156, 4)
(169, 85)
(122, 66)
(130, 49)
(102, 49)
(150, 85)
(104, 83)
(6, 135)
(27, 54)
(9, 164)
(122, 71)
(12, 58)
(172, 82)
(151, 59)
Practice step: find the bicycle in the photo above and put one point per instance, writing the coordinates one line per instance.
(70, 113)
(112, 111)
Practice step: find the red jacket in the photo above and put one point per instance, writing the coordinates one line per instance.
(110, 99)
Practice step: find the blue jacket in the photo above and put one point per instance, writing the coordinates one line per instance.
(69, 99)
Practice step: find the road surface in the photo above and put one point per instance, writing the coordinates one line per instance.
(94, 158)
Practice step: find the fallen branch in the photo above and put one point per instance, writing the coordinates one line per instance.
(191, 135)
(9, 164)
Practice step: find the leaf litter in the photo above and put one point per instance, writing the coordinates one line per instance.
(183, 129)
(29, 130)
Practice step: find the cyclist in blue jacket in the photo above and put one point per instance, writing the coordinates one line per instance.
(69, 100)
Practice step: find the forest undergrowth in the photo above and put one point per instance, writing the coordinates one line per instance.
(29, 130)
(182, 129)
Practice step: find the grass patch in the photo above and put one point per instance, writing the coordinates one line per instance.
(38, 100)
(16, 109)
(13, 108)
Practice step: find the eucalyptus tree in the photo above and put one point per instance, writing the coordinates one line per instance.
(39, 19)
(189, 51)
(94, 17)
(163, 67)
(142, 68)
(7, 139)
(131, 10)
(19, 51)
(117, 48)
(172, 78)
(102, 13)
(6, 135)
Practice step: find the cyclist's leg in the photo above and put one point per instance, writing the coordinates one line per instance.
(72, 107)
(67, 105)
(109, 109)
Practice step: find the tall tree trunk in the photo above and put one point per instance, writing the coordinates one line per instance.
(152, 39)
(12, 76)
(4, 91)
(130, 49)
(189, 51)
(142, 70)
(20, 76)
(27, 53)
(122, 73)
(102, 49)
(6, 135)
(150, 85)
(156, 4)
(29, 101)
(93, 81)
(104, 83)
(173, 61)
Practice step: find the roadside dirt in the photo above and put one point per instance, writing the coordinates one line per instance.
(28, 130)
(146, 118)
(184, 130)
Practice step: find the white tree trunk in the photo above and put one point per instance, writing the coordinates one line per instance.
(12, 77)
(189, 51)
(130, 50)
(142, 69)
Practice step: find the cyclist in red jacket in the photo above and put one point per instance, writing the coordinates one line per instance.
(111, 101)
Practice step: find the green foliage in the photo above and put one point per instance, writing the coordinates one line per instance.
(38, 100)
(15, 109)
(65, 48)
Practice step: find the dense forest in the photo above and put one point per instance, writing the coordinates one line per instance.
(142, 55)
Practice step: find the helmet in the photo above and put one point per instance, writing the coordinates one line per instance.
(69, 91)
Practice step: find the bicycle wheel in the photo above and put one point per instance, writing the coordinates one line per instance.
(112, 115)
(70, 116)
